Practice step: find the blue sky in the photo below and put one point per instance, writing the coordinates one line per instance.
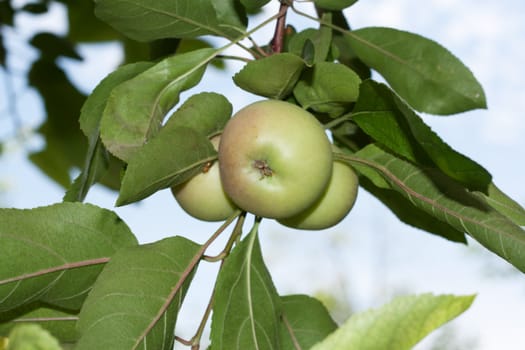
(370, 256)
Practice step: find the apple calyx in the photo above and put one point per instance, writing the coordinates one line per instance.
(263, 168)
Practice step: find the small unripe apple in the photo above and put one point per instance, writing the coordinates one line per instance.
(333, 205)
(275, 159)
(202, 196)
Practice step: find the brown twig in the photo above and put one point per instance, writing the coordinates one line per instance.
(280, 28)
(183, 341)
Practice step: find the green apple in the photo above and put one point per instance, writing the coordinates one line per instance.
(275, 159)
(202, 196)
(334, 204)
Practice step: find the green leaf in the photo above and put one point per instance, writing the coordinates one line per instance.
(305, 321)
(169, 159)
(421, 71)
(83, 26)
(188, 45)
(31, 336)
(274, 76)
(347, 56)
(319, 40)
(398, 325)
(181, 146)
(328, 88)
(334, 5)
(206, 113)
(54, 254)
(342, 50)
(93, 108)
(449, 202)
(388, 120)
(247, 308)
(504, 204)
(405, 211)
(97, 159)
(136, 299)
(145, 20)
(254, 5)
(135, 109)
(62, 325)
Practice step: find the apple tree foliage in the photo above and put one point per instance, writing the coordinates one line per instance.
(77, 271)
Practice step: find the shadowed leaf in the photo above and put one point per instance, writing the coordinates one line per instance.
(387, 119)
(146, 20)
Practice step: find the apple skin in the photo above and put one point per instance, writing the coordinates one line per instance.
(275, 159)
(203, 197)
(334, 204)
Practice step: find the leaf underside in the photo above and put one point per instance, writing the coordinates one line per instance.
(48, 240)
(438, 195)
(136, 299)
(247, 307)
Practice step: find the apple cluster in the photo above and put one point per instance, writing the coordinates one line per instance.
(274, 161)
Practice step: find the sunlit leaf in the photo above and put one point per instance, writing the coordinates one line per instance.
(398, 325)
(446, 200)
(305, 322)
(31, 336)
(421, 71)
(54, 254)
(136, 108)
(388, 120)
(147, 20)
(274, 76)
(247, 307)
(136, 299)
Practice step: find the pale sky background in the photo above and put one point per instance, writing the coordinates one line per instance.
(371, 255)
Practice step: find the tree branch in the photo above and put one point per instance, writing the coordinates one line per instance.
(280, 29)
